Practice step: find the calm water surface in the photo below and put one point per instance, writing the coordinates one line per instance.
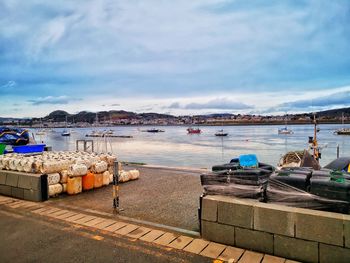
(175, 147)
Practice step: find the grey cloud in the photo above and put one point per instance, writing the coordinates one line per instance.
(52, 100)
(220, 104)
(335, 99)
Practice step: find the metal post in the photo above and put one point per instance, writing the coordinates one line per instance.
(337, 150)
(116, 187)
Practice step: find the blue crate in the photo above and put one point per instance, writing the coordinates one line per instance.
(32, 148)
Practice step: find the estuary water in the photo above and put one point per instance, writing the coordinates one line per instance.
(174, 147)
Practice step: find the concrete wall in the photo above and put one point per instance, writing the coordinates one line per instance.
(300, 234)
(27, 186)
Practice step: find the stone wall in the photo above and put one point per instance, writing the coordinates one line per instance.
(300, 234)
(27, 186)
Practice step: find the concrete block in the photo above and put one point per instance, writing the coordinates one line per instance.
(311, 225)
(254, 240)
(2, 177)
(12, 179)
(330, 253)
(274, 219)
(32, 195)
(209, 209)
(25, 181)
(220, 233)
(17, 192)
(347, 230)
(5, 190)
(297, 249)
(236, 212)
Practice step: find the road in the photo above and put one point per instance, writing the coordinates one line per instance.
(25, 237)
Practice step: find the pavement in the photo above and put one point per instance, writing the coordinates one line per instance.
(162, 195)
(41, 232)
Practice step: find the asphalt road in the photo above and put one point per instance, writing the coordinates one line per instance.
(164, 196)
(27, 238)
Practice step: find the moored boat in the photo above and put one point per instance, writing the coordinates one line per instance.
(221, 133)
(193, 130)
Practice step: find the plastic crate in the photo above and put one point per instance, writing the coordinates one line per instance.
(33, 148)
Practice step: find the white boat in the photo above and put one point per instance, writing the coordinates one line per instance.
(66, 132)
(343, 131)
(285, 130)
(221, 133)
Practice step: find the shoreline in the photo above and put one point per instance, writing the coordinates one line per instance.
(185, 125)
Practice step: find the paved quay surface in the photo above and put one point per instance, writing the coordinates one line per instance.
(168, 196)
(38, 232)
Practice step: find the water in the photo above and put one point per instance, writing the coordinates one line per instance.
(175, 147)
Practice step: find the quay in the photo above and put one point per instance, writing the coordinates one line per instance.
(164, 208)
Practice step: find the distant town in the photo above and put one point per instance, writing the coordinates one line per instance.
(61, 118)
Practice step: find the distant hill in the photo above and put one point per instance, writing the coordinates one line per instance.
(127, 117)
(90, 117)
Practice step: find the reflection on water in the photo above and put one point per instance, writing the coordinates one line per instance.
(175, 147)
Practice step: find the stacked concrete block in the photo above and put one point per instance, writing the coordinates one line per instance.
(299, 234)
(27, 186)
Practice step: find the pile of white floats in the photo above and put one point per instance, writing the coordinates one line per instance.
(69, 172)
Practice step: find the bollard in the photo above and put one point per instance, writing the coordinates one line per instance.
(116, 187)
(338, 151)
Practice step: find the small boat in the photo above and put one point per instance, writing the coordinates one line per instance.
(285, 130)
(221, 133)
(154, 130)
(343, 131)
(65, 133)
(194, 130)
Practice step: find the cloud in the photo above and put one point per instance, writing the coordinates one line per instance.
(9, 85)
(215, 104)
(115, 105)
(174, 105)
(333, 100)
(165, 49)
(52, 100)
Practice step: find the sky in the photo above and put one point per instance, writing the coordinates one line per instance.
(179, 57)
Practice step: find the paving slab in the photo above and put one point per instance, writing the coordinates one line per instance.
(139, 232)
(84, 219)
(196, 246)
(93, 222)
(165, 239)
(272, 259)
(117, 225)
(66, 215)
(251, 257)
(232, 254)
(151, 236)
(213, 250)
(58, 213)
(181, 242)
(104, 224)
(75, 217)
(126, 229)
